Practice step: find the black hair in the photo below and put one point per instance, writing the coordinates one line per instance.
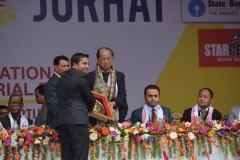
(210, 91)
(58, 58)
(40, 89)
(76, 58)
(151, 87)
(3, 107)
(101, 49)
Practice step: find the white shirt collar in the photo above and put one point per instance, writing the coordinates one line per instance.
(150, 108)
(57, 74)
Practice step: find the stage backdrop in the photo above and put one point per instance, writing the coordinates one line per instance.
(182, 46)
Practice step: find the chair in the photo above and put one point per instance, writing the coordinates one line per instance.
(176, 118)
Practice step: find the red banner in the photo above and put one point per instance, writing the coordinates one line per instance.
(219, 47)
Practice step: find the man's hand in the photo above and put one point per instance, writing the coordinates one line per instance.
(111, 105)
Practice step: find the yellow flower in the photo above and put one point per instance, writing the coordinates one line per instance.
(179, 157)
(180, 129)
(211, 133)
(165, 141)
(109, 138)
(14, 136)
(92, 130)
(135, 131)
(126, 138)
(126, 131)
(167, 127)
(0, 143)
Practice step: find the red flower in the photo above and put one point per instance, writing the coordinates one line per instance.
(238, 152)
(165, 155)
(234, 128)
(238, 126)
(152, 128)
(138, 138)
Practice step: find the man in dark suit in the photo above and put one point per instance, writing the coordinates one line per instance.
(151, 111)
(203, 109)
(15, 105)
(3, 110)
(109, 82)
(61, 65)
(39, 97)
(75, 102)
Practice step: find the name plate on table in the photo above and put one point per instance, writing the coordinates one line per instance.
(101, 110)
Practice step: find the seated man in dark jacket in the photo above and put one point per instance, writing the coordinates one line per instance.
(151, 111)
(15, 105)
(203, 108)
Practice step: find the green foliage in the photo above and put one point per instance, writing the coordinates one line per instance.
(154, 148)
(209, 147)
(137, 145)
(160, 152)
(202, 139)
(97, 151)
(174, 147)
(170, 152)
(143, 151)
(129, 149)
(199, 146)
(184, 141)
(119, 153)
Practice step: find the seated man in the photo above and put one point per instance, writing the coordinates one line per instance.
(15, 104)
(203, 108)
(3, 110)
(234, 114)
(151, 111)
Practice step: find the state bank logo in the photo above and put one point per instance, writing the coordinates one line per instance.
(196, 8)
(210, 11)
(6, 17)
(219, 47)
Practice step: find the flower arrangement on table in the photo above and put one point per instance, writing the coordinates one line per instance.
(122, 141)
(38, 138)
(164, 140)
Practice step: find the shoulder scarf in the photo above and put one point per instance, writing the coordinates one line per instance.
(194, 113)
(23, 121)
(145, 114)
(109, 89)
(239, 114)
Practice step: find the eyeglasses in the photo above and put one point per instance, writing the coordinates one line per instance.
(14, 103)
(104, 59)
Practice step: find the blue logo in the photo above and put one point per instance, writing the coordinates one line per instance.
(196, 8)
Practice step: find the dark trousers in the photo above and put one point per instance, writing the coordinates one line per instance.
(75, 141)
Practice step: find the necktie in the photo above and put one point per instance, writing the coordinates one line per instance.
(203, 113)
(153, 115)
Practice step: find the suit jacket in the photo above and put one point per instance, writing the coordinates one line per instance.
(42, 116)
(234, 113)
(120, 100)
(75, 99)
(216, 115)
(6, 122)
(51, 99)
(137, 115)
